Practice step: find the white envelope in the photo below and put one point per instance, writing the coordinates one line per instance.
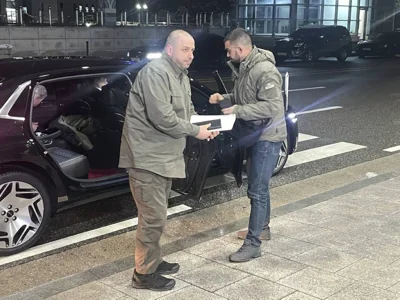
(226, 121)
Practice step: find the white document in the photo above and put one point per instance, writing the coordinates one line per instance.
(223, 122)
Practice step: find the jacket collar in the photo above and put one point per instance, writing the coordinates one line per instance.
(246, 63)
(178, 72)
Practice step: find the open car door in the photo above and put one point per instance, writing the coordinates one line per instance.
(198, 158)
(289, 146)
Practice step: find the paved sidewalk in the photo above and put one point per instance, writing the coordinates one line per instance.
(343, 247)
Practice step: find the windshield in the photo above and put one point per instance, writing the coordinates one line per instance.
(381, 37)
(302, 33)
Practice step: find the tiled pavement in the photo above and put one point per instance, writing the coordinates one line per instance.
(345, 247)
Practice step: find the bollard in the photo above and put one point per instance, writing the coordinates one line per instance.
(212, 19)
(83, 17)
(76, 16)
(205, 18)
(97, 18)
(156, 19)
(122, 18)
(40, 16)
(187, 19)
(147, 18)
(222, 20)
(102, 18)
(21, 20)
(87, 48)
(50, 21)
(167, 18)
(200, 19)
(227, 19)
(182, 19)
(197, 20)
(62, 17)
(125, 18)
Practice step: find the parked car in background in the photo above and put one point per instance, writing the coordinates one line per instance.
(210, 51)
(74, 152)
(384, 44)
(309, 43)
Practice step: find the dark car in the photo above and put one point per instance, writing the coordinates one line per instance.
(312, 42)
(384, 44)
(209, 51)
(73, 155)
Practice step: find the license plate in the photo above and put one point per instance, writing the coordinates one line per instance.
(282, 53)
(367, 49)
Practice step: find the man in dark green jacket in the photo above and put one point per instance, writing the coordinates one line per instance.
(157, 122)
(256, 97)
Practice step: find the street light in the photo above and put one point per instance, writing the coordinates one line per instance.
(145, 6)
(138, 6)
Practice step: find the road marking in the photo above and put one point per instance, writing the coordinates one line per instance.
(322, 72)
(306, 137)
(318, 153)
(317, 110)
(392, 149)
(83, 237)
(308, 89)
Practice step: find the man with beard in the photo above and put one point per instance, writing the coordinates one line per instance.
(257, 102)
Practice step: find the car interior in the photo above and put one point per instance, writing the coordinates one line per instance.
(80, 124)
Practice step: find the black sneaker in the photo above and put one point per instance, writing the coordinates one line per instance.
(154, 282)
(166, 268)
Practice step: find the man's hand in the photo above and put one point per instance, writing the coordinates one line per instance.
(204, 134)
(229, 110)
(216, 98)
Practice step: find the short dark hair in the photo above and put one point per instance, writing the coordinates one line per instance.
(238, 35)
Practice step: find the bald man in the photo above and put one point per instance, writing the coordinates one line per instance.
(153, 140)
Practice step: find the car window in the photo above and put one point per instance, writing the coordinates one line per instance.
(201, 103)
(80, 95)
(19, 107)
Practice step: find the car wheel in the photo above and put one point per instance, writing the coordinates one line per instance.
(309, 55)
(282, 158)
(25, 210)
(342, 55)
(390, 52)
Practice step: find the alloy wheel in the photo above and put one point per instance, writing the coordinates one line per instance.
(282, 158)
(21, 213)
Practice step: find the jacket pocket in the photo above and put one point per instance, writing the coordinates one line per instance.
(141, 175)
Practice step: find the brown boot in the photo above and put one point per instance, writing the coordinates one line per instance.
(265, 234)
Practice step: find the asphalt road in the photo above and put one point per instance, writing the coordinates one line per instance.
(367, 122)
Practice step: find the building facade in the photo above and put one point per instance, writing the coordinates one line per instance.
(282, 17)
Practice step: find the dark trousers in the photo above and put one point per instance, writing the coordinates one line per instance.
(261, 161)
(150, 192)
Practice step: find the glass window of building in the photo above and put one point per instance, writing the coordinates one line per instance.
(282, 17)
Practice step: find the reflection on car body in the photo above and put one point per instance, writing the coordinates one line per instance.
(74, 154)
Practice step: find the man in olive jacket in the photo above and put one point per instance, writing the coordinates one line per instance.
(256, 97)
(157, 123)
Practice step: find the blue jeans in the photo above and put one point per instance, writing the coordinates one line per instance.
(261, 161)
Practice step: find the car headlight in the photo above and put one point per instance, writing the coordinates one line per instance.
(128, 54)
(153, 55)
(292, 117)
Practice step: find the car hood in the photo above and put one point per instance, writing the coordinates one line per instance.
(371, 42)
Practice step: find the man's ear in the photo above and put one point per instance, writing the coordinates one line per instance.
(168, 49)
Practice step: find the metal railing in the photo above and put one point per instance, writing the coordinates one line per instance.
(98, 17)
